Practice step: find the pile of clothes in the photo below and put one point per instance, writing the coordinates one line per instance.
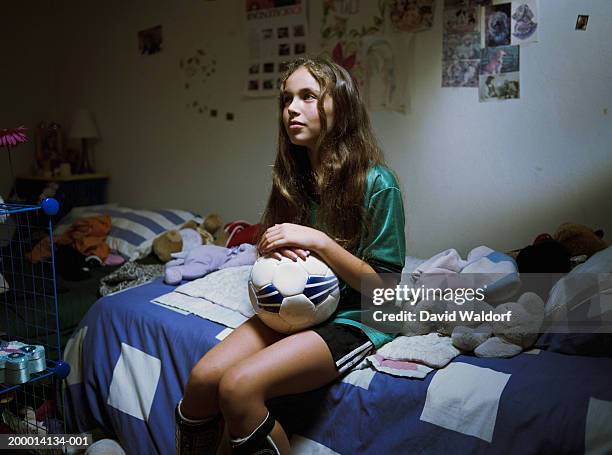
(82, 247)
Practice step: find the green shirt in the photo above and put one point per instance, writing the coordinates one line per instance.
(384, 250)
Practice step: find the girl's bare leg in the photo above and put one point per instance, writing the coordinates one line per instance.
(198, 423)
(200, 399)
(295, 364)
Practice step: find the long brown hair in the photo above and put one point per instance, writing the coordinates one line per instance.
(346, 151)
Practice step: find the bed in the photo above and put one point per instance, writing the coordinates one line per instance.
(130, 360)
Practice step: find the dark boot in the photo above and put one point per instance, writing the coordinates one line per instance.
(197, 437)
(257, 443)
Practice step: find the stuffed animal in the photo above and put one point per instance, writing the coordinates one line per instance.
(199, 261)
(504, 338)
(189, 236)
(571, 244)
(579, 239)
(212, 223)
(545, 255)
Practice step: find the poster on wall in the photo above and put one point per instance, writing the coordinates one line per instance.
(371, 40)
(460, 44)
(385, 72)
(499, 73)
(524, 22)
(497, 25)
(410, 15)
(277, 33)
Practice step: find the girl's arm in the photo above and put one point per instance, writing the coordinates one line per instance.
(349, 267)
(283, 238)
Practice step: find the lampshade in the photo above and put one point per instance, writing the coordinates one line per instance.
(83, 125)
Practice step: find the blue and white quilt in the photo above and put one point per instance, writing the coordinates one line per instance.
(130, 360)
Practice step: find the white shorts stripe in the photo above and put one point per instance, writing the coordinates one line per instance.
(356, 359)
(360, 351)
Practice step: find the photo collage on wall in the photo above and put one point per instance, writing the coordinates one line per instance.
(481, 45)
(460, 44)
(277, 33)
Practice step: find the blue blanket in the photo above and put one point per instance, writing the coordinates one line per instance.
(130, 360)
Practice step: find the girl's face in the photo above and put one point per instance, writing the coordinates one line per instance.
(300, 116)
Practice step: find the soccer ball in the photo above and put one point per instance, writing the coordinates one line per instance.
(290, 296)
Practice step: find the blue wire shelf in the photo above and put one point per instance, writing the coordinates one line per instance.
(29, 314)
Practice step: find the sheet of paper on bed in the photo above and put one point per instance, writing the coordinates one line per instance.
(221, 297)
(201, 307)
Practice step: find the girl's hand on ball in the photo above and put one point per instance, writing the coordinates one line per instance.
(291, 253)
(292, 236)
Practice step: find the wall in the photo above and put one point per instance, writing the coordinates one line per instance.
(28, 84)
(493, 173)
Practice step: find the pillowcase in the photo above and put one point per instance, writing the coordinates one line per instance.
(585, 295)
(133, 231)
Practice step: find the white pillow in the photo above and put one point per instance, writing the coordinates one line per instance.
(133, 231)
(584, 292)
(580, 280)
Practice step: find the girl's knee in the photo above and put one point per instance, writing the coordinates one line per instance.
(237, 387)
(204, 378)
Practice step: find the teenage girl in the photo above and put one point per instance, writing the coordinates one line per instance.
(332, 196)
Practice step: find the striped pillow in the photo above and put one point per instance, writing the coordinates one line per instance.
(133, 231)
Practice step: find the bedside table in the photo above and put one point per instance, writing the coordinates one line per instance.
(73, 191)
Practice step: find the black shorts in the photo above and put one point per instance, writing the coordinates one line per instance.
(348, 345)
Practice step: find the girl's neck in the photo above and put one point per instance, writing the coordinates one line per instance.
(313, 157)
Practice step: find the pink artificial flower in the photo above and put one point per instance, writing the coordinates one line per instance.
(10, 137)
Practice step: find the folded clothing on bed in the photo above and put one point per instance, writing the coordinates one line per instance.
(221, 296)
(414, 357)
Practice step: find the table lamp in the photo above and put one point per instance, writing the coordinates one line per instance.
(84, 128)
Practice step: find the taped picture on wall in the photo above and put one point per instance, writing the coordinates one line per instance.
(461, 46)
(497, 25)
(499, 87)
(460, 73)
(581, 22)
(272, 26)
(501, 59)
(499, 73)
(461, 20)
(524, 22)
(411, 15)
(150, 40)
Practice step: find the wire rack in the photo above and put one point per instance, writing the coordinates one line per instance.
(31, 366)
